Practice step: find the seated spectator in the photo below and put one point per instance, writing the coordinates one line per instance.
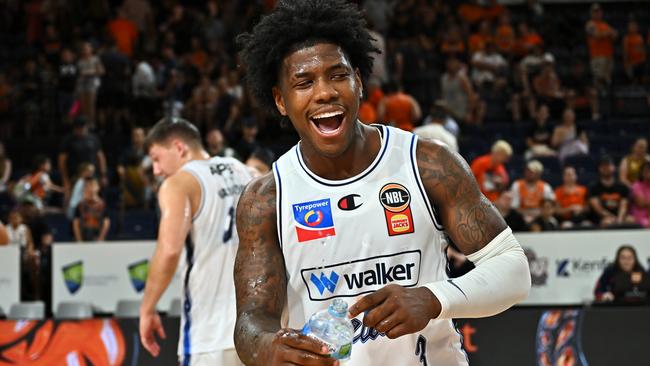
(19, 233)
(489, 171)
(569, 139)
(248, 142)
(580, 92)
(260, 161)
(452, 45)
(538, 138)
(572, 200)
(398, 108)
(201, 106)
(4, 237)
(608, 198)
(640, 197)
(530, 192)
(634, 55)
(35, 187)
(90, 221)
(480, 39)
(489, 69)
(513, 218)
(471, 12)
(546, 221)
(367, 111)
(630, 166)
(547, 88)
(458, 93)
(625, 280)
(215, 144)
(5, 168)
(504, 36)
(527, 40)
(86, 170)
(434, 129)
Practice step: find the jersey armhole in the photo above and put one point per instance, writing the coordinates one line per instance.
(430, 208)
(203, 191)
(278, 200)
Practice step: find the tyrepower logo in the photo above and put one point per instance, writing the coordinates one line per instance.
(362, 276)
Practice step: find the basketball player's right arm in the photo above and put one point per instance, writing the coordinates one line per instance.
(175, 223)
(261, 287)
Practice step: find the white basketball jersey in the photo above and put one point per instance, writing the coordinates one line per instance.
(209, 308)
(347, 238)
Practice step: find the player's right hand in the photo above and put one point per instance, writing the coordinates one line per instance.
(150, 325)
(290, 347)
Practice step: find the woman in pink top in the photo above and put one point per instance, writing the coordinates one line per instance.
(641, 197)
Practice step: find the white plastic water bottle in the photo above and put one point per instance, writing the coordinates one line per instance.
(333, 328)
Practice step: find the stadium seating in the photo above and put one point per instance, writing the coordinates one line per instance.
(27, 310)
(128, 309)
(73, 310)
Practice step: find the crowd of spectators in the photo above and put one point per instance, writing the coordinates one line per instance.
(93, 76)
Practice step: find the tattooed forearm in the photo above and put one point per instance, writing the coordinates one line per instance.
(260, 281)
(469, 218)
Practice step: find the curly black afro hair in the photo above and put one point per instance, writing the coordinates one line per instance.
(296, 24)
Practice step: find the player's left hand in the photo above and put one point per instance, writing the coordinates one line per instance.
(150, 325)
(396, 311)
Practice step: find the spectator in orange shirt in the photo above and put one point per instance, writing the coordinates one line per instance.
(634, 54)
(478, 40)
(124, 32)
(600, 38)
(504, 36)
(471, 12)
(493, 10)
(453, 45)
(398, 108)
(367, 111)
(572, 200)
(528, 39)
(489, 171)
(530, 192)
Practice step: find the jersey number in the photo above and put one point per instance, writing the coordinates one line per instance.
(421, 350)
(227, 235)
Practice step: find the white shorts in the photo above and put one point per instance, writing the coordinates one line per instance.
(225, 357)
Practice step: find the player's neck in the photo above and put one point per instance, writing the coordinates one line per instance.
(355, 159)
(199, 154)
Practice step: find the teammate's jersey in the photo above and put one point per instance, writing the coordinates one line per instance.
(208, 316)
(350, 237)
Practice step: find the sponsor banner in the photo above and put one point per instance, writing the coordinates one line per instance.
(9, 276)
(353, 278)
(565, 266)
(313, 220)
(104, 273)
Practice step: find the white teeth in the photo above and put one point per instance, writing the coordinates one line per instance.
(328, 114)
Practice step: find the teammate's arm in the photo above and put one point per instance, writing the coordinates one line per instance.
(500, 279)
(261, 287)
(175, 223)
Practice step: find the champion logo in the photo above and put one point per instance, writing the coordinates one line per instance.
(350, 202)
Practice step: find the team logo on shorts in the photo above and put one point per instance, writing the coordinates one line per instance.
(396, 200)
(313, 220)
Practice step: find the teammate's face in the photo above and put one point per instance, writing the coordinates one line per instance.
(319, 91)
(166, 159)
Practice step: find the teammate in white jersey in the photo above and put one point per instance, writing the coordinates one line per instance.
(197, 202)
(356, 212)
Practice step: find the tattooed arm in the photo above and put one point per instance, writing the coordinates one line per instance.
(500, 279)
(261, 286)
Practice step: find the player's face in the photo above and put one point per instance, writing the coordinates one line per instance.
(319, 91)
(166, 159)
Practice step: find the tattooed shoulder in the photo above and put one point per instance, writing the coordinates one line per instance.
(469, 218)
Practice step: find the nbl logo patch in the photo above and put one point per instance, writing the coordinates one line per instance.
(396, 200)
(313, 220)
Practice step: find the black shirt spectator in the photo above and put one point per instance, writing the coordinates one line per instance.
(80, 147)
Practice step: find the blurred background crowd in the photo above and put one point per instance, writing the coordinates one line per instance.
(548, 103)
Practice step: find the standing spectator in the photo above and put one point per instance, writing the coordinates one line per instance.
(398, 108)
(640, 207)
(634, 55)
(513, 218)
(86, 170)
(630, 166)
(530, 192)
(133, 180)
(458, 93)
(538, 138)
(67, 82)
(580, 91)
(90, 222)
(143, 84)
(600, 38)
(489, 171)
(5, 168)
(608, 197)
(112, 103)
(434, 128)
(546, 221)
(124, 32)
(623, 278)
(90, 72)
(34, 187)
(572, 200)
(548, 89)
(80, 147)
(568, 138)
